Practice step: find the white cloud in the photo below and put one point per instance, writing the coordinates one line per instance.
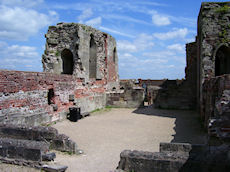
(175, 33)
(22, 3)
(189, 22)
(160, 20)
(95, 22)
(177, 47)
(123, 45)
(116, 32)
(85, 15)
(19, 23)
(159, 54)
(22, 51)
(142, 42)
(125, 18)
(13, 56)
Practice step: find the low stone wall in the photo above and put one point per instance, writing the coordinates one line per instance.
(130, 95)
(49, 135)
(32, 98)
(140, 161)
(175, 95)
(176, 157)
(23, 149)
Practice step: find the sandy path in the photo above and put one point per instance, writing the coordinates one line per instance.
(104, 135)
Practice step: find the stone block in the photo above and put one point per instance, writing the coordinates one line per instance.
(22, 149)
(140, 161)
(175, 147)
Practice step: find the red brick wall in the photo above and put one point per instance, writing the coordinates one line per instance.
(27, 92)
(112, 77)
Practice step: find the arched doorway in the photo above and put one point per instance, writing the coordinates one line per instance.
(222, 61)
(92, 58)
(67, 62)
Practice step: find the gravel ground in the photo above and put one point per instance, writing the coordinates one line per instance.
(103, 135)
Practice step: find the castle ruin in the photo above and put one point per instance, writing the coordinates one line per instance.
(81, 70)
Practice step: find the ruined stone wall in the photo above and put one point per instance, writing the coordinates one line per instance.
(176, 94)
(130, 95)
(213, 34)
(215, 107)
(80, 67)
(150, 82)
(32, 98)
(90, 53)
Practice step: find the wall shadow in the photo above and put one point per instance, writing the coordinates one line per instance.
(188, 127)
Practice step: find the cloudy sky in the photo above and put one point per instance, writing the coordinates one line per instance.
(150, 34)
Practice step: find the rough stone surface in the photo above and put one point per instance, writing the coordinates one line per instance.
(77, 39)
(82, 66)
(25, 97)
(50, 135)
(215, 107)
(213, 37)
(22, 149)
(188, 158)
(131, 95)
(140, 161)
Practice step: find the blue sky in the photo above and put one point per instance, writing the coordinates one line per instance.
(150, 34)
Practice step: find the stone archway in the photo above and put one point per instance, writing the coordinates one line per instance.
(222, 60)
(67, 62)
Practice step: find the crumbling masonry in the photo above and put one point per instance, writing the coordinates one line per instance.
(80, 67)
(207, 89)
(81, 70)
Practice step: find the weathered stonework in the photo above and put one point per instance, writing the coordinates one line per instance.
(131, 95)
(174, 157)
(80, 68)
(177, 94)
(83, 51)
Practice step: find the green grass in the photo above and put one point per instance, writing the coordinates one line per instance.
(106, 109)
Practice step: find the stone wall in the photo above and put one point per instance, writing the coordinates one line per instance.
(216, 109)
(131, 95)
(90, 53)
(213, 39)
(31, 98)
(80, 65)
(41, 134)
(177, 94)
(174, 157)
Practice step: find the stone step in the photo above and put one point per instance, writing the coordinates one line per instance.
(23, 149)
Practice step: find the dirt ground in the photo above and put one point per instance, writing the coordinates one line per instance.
(103, 135)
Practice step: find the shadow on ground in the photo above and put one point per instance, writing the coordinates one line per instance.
(188, 127)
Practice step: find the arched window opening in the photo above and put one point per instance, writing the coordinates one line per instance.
(222, 61)
(114, 54)
(67, 62)
(92, 58)
(50, 96)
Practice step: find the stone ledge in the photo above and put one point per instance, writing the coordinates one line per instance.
(50, 135)
(22, 149)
